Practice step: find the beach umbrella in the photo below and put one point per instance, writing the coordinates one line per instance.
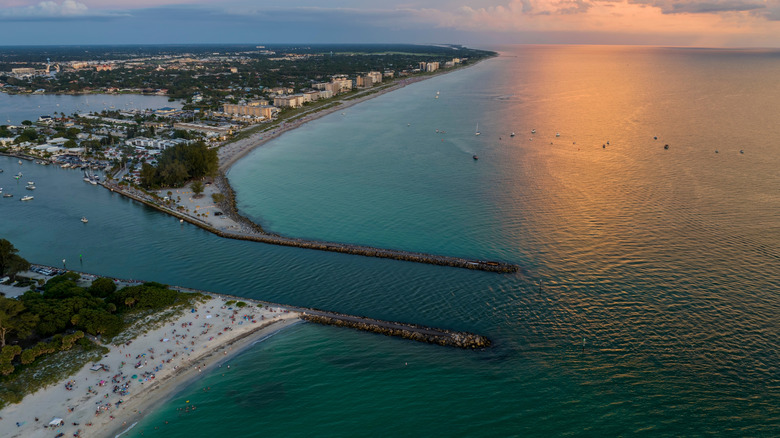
(134, 376)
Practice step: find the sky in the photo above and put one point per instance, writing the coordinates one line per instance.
(475, 23)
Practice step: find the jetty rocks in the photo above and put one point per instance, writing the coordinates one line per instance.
(412, 332)
(259, 235)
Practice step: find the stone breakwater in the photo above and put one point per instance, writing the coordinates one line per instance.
(412, 332)
(257, 235)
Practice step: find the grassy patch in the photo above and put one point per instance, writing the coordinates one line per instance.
(138, 323)
(47, 370)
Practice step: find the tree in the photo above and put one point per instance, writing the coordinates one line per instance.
(97, 322)
(197, 188)
(13, 318)
(102, 287)
(10, 262)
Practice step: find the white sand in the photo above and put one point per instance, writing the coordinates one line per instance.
(215, 334)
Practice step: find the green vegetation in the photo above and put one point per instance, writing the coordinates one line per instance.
(179, 164)
(48, 370)
(197, 188)
(10, 262)
(46, 333)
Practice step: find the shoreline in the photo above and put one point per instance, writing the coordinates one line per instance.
(93, 408)
(226, 221)
(210, 334)
(187, 377)
(247, 145)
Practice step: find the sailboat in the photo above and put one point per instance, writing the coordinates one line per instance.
(477, 131)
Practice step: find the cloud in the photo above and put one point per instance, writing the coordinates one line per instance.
(66, 9)
(703, 7)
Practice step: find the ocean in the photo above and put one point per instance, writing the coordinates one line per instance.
(646, 305)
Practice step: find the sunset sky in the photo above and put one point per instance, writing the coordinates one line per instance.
(708, 23)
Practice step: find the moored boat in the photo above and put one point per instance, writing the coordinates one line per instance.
(26, 198)
(84, 219)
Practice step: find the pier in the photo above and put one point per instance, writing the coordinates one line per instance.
(345, 248)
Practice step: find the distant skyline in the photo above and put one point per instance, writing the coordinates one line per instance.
(476, 23)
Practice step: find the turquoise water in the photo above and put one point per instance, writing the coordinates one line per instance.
(15, 108)
(664, 262)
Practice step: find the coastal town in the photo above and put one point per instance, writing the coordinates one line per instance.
(230, 96)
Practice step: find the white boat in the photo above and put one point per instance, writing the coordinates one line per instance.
(8, 195)
(30, 183)
(20, 161)
(26, 198)
(477, 131)
(83, 219)
(533, 131)
(512, 134)
(30, 187)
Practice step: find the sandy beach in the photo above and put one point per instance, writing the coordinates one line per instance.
(231, 152)
(144, 372)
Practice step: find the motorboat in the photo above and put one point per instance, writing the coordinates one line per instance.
(84, 219)
(26, 198)
(30, 187)
(475, 157)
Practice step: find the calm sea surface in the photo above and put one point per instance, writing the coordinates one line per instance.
(19, 107)
(659, 309)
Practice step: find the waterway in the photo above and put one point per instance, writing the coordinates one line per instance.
(660, 268)
(16, 108)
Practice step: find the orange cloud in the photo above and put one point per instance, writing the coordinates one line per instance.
(717, 23)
